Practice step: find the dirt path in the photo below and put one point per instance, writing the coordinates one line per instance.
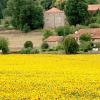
(17, 39)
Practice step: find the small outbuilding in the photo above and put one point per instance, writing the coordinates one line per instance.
(93, 8)
(53, 41)
(54, 18)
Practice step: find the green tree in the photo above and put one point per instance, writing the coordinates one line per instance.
(2, 7)
(47, 4)
(25, 13)
(91, 1)
(76, 11)
(60, 4)
(70, 45)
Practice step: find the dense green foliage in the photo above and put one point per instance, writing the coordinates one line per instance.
(29, 50)
(47, 33)
(2, 7)
(65, 30)
(25, 13)
(44, 45)
(4, 45)
(85, 37)
(76, 11)
(86, 42)
(85, 46)
(94, 25)
(70, 45)
(60, 4)
(91, 1)
(28, 44)
(47, 4)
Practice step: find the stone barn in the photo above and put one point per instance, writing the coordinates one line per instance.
(54, 18)
(54, 41)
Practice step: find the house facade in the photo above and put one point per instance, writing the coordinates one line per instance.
(53, 41)
(54, 18)
(94, 32)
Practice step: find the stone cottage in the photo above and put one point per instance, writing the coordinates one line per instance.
(54, 18)
(94, 32)
(54, 41)
(93, 8)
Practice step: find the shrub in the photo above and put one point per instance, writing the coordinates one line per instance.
(60, 47)
(47, 33)
(4, 45)
(26, 50)
(28, 44)
(34, 51)
(26, 28)
(44, 45)
(72, 29)
(65, 30)
(98, 19)
(10, 27)
(94, 25)
(29, 50)
(70, 45)
(86, 46)
(52, 49)
(60, 31)
(85, 37)
(6, 22)
(80, 27)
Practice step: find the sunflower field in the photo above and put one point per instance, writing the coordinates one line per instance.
(49, 77)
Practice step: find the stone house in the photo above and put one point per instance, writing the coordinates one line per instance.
(54, 18)
(53, 41)
(93, 8)
(94, 32)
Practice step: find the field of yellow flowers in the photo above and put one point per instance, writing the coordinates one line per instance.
(49, 77)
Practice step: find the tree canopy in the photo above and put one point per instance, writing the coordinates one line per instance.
(2, 6)
(25, 13)
(76, 11)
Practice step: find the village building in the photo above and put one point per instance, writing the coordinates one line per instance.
(53, 41)
(94, 32)
(54, 18)
(93, 8)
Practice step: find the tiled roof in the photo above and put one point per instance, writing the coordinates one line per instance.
(54, 39)
(95, 32)
(93, 7)
(54, 10)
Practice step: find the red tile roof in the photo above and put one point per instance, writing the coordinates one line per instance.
(54, 10)
(93, 8)
(54, 39)
(95, 32)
